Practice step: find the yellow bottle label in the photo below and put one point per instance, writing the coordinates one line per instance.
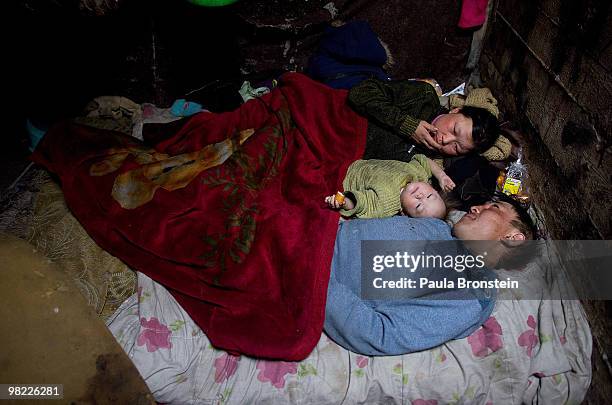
(511, 186)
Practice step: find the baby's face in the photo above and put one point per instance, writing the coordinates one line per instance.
(421, 200)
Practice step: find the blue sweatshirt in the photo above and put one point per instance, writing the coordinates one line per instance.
(397, 326)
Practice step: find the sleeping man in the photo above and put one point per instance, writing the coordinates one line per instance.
(397, 326)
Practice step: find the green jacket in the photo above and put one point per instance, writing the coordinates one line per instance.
(374, 185)
(393, 110)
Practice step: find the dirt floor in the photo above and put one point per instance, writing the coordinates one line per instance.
(51, 336)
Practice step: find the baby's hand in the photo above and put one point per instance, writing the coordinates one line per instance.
(446, 183)
(333, 203)
(338, 201)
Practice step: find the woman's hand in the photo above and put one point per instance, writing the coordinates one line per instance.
(422, 135)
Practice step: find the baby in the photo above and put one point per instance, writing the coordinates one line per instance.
(383, 188)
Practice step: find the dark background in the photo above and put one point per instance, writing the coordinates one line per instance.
(63, 53)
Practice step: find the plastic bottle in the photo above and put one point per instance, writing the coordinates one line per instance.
(514, 182)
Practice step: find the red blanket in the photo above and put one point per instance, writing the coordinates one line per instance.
(237, 231)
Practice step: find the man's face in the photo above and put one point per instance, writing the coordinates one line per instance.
(454, 133)
(490, 221)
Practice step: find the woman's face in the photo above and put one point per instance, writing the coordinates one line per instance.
(454, 133)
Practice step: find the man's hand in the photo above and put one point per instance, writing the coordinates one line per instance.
(446, 183)
(422, 135)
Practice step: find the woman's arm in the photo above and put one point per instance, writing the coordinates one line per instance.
(400, 106)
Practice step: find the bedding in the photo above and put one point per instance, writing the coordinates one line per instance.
(105, 281)
(217, 210)
(35, 211)
(528, 351)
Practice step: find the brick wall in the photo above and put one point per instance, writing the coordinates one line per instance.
(549, 62)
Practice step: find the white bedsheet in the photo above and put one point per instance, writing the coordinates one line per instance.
(529, 351)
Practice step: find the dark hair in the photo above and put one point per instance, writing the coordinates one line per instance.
(448, 198)
(523, 223)
(518, 256)
(485, 128)
(450, 202)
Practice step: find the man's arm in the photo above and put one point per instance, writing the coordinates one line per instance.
(396, 327)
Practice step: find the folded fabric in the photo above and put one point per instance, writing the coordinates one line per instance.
(499, 151)
(35, 134)
(112, 107)
(473, 13)
(247, 92)
(478, 98)
(347, 55)
(184, 108)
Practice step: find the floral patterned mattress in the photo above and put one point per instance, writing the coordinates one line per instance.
(528, 351)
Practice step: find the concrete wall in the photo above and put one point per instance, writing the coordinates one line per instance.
(549, 63)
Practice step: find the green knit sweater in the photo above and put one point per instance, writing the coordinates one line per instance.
(393, 110)
(374, 185)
